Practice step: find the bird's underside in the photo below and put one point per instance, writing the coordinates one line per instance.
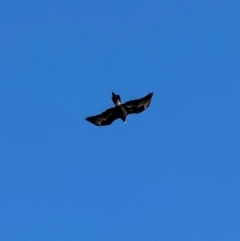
(121, 110)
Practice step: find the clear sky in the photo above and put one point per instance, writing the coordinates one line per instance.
(170, 173)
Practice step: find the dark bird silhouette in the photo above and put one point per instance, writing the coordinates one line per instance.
(121, 110)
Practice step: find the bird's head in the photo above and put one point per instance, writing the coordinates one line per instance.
(123, 118)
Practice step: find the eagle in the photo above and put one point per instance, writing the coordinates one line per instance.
(121, 110)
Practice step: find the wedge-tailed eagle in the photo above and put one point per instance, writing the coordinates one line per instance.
(121, 110)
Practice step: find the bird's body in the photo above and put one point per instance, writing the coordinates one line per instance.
(124, 113)
(121, 110)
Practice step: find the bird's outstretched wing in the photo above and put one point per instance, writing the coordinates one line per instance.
(105, 118)
(139, 105)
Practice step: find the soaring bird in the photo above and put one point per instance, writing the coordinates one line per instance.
(120, 110)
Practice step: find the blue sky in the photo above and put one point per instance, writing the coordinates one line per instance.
(170, 173)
